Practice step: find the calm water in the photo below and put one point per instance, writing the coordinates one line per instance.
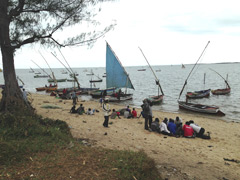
(171, 79)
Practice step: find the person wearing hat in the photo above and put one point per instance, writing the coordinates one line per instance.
(106, 110)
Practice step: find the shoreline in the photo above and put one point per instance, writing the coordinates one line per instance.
(176, 158)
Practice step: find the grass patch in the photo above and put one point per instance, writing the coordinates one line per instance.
(35, 148)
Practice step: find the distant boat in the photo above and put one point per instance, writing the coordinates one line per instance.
(143, 69)
(64, 72)
(96, 80)
(158, 70)
(57, 80)
(116, 79)
(41, 76)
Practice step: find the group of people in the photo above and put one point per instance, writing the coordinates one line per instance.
(81, 110)
(176, 128)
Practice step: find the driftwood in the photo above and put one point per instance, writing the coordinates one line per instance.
(232, 160)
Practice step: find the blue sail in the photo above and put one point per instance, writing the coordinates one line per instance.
(116, 75)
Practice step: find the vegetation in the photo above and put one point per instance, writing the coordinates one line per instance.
(24, 22)
(35, 148)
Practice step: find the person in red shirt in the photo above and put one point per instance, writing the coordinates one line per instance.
(134, 113)
(188, 130)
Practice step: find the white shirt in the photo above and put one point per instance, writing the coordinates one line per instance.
(195, 127)
(106, 109)
(163, 127)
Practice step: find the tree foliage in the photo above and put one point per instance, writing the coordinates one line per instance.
(38, 20)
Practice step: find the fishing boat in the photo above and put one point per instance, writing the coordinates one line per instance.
(223, 91)
(116, 79)
(141, 69)
(95, 80)
(201, 108)
(57, 80)
(198, 94)
(207, 109)
(47, 88)
(41, 76)
(155, 100)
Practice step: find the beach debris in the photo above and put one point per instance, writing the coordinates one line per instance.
(60, 101)
(49, 106)
(105, 133)
(210, 146)
(84, 121)
(110, 122)
(70, 145)
(45, 101)
(232, 160)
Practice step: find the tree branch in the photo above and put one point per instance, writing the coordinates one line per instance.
(18, 9)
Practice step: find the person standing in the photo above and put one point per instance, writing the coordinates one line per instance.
(25, 95)
(74, 97)
(146, 113)
(106, 110)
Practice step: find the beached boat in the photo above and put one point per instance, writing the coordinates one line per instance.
(155, 100)
(223, 91)
(207, 109)
(198, 94)
(214, 110)
(116, 79)
(47, 88)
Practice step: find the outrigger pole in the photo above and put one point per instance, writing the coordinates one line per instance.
(221, 77)
(157, 81)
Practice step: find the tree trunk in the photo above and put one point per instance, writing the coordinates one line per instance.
(12, 97)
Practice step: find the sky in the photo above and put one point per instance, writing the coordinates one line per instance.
(168, 32)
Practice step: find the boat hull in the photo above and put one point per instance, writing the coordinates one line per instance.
(123, 97)
(221, 91)
(156, 99)
(214, 110)
(58, 80)
(198, 94)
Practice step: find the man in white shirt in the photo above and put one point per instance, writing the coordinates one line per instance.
(106, 110)
(199, 130)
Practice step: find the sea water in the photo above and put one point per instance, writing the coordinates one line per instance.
(172, 79)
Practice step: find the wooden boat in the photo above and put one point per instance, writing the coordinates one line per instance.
(155, 100)
(198, 94)
(97, 80)
(141, 69)
(207, 109)
(57, 80)
(214, 110)
(116, 79)
(41, 76)
(221, 91)
(48, 88)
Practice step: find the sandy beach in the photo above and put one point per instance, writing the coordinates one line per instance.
(176, 158)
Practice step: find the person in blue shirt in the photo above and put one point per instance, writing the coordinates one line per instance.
(172, 126)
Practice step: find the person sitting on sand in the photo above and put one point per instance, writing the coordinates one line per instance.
(115, 114)
(163, 127)
(172, 126)
(90, 111)
(188, 131)
(127, 114)
(155, 125)
(128, 109)
(178, 121)
(134, 113)
(73, 109)
(80, 110)
(197, 129)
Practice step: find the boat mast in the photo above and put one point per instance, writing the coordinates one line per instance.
(192, 69)
(222, 77)
(156, 79)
